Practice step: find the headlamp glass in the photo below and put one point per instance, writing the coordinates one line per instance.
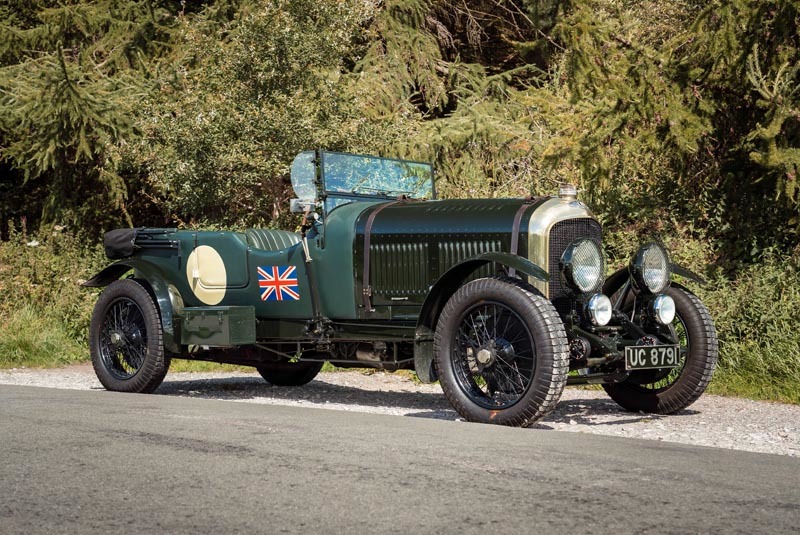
(650, 268)
(582, 266)
(599, 309)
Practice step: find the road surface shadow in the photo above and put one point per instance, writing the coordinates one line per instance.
(598, 411)
(249, 388)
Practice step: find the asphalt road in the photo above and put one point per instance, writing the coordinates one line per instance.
(90, 462)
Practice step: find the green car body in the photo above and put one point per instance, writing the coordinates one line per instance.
(366, 281)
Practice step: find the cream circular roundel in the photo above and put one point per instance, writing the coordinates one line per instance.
(205, 272)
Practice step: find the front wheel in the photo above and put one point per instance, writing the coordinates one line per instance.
(669, 391)
(500, 351)
(125, 339)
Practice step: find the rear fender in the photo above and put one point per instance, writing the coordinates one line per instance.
(444, 288)
(153, 280)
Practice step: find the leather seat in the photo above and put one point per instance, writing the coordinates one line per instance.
(271, 240)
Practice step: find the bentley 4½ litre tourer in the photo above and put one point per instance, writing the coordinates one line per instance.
(503, 301)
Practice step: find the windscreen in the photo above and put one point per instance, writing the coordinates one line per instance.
(370, 175)
(304, 175)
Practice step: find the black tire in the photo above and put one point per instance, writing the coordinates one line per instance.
(125, 339)
(669, 391)
(501, 352)
(285, 373)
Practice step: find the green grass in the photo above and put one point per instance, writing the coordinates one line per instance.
(758, 324)
(757, 387)
(34, 339)
(183, 365)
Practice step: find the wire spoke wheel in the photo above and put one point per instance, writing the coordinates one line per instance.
(500, 352)
(673, 389)
(494, 355)
(123, 339)
(126, 340)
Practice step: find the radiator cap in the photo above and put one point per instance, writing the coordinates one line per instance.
(568, 191)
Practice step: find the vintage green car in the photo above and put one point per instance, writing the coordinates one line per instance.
(503, 301)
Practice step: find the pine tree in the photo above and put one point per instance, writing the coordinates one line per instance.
(71, 75)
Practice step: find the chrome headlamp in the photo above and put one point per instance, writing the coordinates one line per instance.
(582, 266)
(599, 310)
(663, 309)
(650, 269)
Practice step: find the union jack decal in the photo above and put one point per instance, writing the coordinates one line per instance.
(278, 283)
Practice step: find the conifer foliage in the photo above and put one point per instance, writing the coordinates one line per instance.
(676, 115)
(71, 73)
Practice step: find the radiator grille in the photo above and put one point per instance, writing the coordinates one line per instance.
(561, 235)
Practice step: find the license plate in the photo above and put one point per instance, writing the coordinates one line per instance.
(651, 357)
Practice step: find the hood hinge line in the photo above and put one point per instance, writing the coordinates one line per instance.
(515, 229)
(365, 283)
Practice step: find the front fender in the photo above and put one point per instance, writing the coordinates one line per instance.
(445, 287)
(688, 274)
(618, 279)
(109, 274)
(154, 280)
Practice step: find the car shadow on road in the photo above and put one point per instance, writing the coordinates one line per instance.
(588, 412)
(598, 411)
(316, 392)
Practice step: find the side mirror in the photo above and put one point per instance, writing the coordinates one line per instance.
(301, 206)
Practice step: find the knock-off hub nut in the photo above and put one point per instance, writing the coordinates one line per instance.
(116, 338)
(484, 356)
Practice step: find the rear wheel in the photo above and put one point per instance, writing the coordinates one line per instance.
(671, 390)
(500, 352)
(285, 373)
(125, 339)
